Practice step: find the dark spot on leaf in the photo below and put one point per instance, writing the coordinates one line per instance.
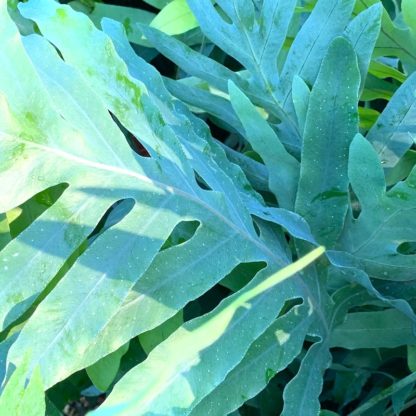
(269, 374)
(127, 25)
(407, 248)
(332, 193)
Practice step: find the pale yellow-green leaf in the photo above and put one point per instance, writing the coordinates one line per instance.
(175, 18)
(382, 71)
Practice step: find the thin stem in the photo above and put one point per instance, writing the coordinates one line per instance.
(384, 394)
(390, 411)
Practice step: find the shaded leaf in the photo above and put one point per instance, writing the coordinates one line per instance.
(103, 372)
(381, 329)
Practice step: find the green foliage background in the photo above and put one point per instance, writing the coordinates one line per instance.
(169, 176)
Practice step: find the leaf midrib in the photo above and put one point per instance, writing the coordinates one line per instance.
(168, 188)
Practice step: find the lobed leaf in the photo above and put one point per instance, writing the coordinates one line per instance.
(194, 349)
(283, 168)
(326, 21)
(380, 329)
(269, 354)
(363, 32)
(373, 239)
(331, 124)
(97, 279)
(392, 135)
